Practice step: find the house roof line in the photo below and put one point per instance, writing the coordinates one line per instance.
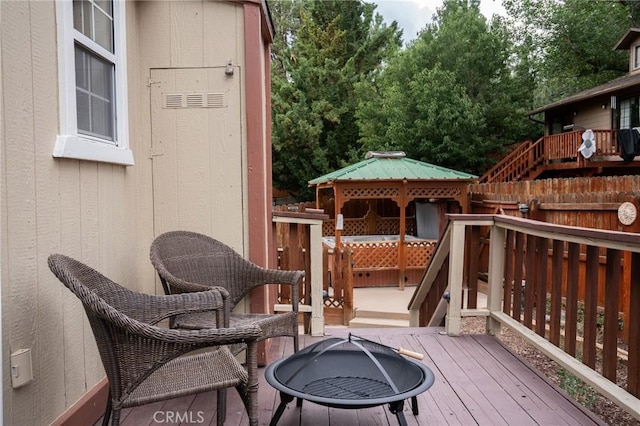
(626, 40)
(612, 86)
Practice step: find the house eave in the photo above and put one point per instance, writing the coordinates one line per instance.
(625, 42)
(610, 88)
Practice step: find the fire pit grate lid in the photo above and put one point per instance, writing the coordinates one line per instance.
(349, 388)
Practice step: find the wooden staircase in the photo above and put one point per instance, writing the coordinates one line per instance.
(524, 162)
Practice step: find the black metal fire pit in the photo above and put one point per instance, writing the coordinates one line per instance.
(349, 373)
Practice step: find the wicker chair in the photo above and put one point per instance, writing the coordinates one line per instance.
(188, 261)
(146, 363)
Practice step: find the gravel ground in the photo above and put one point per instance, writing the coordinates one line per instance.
(596, 403)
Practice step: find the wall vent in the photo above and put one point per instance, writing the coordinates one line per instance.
(194, 100)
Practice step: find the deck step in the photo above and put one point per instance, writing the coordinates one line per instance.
(379, 319)
(367, 313)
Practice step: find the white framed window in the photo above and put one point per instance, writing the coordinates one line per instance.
(629, 113)
(92, 74)
(636, 56)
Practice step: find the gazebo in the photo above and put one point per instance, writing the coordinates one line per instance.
(390, 210)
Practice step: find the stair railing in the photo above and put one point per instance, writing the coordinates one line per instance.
(522, 161)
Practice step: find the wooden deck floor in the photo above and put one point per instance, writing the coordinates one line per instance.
(477, 381)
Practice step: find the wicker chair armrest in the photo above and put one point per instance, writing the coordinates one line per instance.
(182, 286)
(152, 309)
(253, 276)
(292, 278)
(200, 338)
(277, 276)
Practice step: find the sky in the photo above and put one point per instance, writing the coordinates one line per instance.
(413, 15)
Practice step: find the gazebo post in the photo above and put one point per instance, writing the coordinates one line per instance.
(337, 192)
(402, 261)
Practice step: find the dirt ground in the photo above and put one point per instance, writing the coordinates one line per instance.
(606, 410)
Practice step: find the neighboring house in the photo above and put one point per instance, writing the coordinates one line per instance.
(610, 110)
(120, 120)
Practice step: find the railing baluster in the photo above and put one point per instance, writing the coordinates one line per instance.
(509, 297)
(556, 291)
(611, 310)
(571, 309)
(633, 373)
(474, 262)
(529, 290)
(518, 290)
(590, 306)
(542, 257)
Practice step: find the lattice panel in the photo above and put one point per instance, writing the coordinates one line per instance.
(375, 255)
(328, 228)
(411, 225)
(332, 302)
(355, 227)
(433, 192)
(351, 227)
(370, 192)
(419, 253)
(388, 226)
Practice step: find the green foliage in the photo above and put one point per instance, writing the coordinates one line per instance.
(569, 43)
(330, 46)
(456, 96)
(576, 388)
(451, 98)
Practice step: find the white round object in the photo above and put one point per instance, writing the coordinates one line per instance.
(627, 213)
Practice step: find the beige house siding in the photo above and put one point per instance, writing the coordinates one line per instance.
(593, 117)
(99, 213)
(196, 169)
(632, 50)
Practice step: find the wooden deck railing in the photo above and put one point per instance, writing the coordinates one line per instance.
(338, 285)
(325, 298)
(307, 252)
(558, 151)
(533, 278)
(565, 145)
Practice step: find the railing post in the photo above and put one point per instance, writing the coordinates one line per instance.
(456, 267)
(317, 301)
(347, 280)
(496, 274)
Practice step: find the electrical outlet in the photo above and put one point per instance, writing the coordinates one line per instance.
(21, 368)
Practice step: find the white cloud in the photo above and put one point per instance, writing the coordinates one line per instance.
(413, 15)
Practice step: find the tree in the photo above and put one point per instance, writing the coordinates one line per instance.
(569, 43)
(329, 47)
(454, 97)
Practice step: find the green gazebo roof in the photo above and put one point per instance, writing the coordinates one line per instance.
(392, 165)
